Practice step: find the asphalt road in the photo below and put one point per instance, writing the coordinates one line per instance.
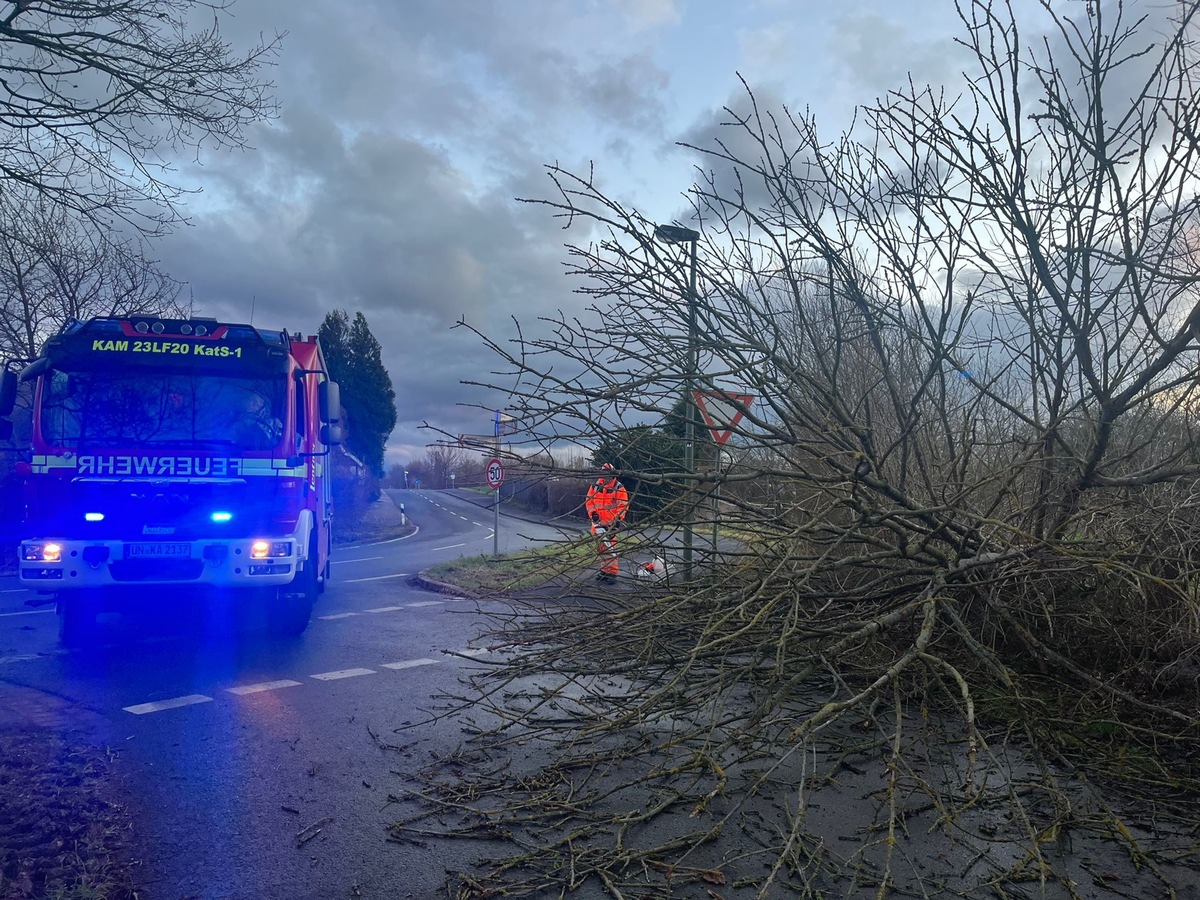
(257, 767)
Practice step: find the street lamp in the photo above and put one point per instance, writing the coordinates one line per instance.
(677, 234)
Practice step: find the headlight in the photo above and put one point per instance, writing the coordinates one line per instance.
(270, 549)
(49, 552)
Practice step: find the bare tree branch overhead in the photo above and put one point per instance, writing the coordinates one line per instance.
(97, 99)
(54, 268)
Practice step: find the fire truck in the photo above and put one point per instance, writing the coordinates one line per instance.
(170, 454)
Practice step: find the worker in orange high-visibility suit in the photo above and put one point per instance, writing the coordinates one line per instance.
(607, 503)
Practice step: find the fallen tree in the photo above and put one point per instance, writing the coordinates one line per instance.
(966, 568)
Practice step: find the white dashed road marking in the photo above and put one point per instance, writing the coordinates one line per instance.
(330, 618)
(344, 673)
(141, 709)
(424, 603)
(449, 547)
(158, 706)
(27, 612)
(385, 609)
(262, 686)
(411, 663)
(375, 578)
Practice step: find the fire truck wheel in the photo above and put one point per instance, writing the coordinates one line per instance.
(292, 606)
(76, 621)
(289, 611)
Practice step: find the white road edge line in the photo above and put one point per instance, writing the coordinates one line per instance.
(141, 709)
(374, 578)
(412, 663)
(380, 609)
(448, 547)
(344, 673)
(262, 686)
(416, 528)
(424, 603)
(330, 618)
(356, 559)
(27, 612)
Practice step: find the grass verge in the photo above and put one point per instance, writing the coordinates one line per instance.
(61, 838)
(525, 570)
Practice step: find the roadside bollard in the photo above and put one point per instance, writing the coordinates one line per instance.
(403, 518)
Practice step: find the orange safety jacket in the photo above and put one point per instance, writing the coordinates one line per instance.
(607, 501)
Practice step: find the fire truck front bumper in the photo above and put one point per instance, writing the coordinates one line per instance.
(61, 565)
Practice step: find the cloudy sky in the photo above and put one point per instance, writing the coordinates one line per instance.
(409, 128)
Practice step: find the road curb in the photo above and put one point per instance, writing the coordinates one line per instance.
(423, 581)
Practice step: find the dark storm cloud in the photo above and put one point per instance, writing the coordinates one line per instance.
(386, 227)
(720, 134)
(388, 185)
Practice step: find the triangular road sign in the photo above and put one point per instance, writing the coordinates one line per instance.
(721, 411)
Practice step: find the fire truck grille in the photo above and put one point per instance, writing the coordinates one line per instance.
(156, 569)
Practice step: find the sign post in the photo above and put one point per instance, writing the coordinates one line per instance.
(721, 411)
(495, 478)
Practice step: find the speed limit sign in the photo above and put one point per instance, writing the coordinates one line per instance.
(495, 473)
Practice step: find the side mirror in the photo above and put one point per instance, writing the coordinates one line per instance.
(331, 434)
(8, 392)
(330, 402)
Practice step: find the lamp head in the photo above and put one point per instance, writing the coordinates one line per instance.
(676, 234)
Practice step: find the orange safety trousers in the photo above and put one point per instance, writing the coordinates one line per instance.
(606, 548)
(607, 503)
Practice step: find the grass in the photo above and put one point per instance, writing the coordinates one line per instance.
(61, 837)
(525, 570)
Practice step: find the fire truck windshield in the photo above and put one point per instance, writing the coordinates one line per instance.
(105, 408)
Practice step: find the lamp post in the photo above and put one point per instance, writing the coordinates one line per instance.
(677, 234)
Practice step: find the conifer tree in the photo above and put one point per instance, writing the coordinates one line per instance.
(355, 361)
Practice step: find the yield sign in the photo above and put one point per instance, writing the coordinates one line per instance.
(721, 411)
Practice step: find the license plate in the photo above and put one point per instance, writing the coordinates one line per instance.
(158, 550)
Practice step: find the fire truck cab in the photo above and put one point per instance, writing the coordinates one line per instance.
(175, 453)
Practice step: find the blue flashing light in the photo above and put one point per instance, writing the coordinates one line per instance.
(93, 517)
(221, 516)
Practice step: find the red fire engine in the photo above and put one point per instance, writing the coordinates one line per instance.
(170, 453)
